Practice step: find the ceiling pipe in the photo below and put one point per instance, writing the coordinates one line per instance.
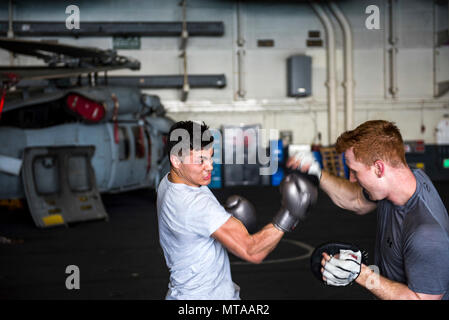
(393, 41)
(10, 33)
(348, 82)
(330, 72)
(241, 92)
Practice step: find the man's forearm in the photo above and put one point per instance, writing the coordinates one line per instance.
(264, 241)
(384, 288)
(345, 194)
(341, 191)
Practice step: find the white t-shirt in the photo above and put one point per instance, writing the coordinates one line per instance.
(199, 264)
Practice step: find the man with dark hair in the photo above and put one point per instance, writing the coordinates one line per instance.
(412, 245)
(195, 230)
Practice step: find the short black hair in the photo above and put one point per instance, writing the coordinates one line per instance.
(189, 135)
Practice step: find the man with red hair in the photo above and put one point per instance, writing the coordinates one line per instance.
(412, 244)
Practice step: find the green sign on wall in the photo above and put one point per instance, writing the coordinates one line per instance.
(126, 42)
(446, 163)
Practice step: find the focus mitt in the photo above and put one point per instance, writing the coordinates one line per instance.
(343, 267)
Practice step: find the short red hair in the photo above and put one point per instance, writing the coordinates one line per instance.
(374, 140)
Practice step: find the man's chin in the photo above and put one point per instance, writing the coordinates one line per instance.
(368, 195)
(375, 199)
(205, 182)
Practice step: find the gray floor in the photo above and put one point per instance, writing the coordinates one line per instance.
(121, 258)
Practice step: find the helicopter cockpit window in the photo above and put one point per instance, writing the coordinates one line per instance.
(78, 174)
(123, 144)
(46, 177)
(139, 142)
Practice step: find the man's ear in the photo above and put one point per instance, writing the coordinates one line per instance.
(175, 161)
(379, 168)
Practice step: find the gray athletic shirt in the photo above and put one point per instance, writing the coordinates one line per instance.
(412, 245)
(199, 264)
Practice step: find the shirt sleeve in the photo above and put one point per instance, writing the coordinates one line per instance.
(426, 260)
(206, 215)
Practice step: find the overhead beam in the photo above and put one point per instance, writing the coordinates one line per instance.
(214, 81)
(101, 29)
(168, 81)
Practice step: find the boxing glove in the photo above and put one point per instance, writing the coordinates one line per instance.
(298, 195)
(243, 210)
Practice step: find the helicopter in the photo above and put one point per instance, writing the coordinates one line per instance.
(66, 137)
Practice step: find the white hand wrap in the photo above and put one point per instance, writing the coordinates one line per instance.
(344, 270)
(306, 159)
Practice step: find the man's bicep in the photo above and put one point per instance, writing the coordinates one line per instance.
(234, 236)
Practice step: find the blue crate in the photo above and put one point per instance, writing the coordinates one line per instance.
(277, 177)
(216, 180)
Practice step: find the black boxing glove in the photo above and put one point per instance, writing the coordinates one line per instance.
(299, 194)
(243, 210)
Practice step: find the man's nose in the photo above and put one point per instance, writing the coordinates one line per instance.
(209, 165)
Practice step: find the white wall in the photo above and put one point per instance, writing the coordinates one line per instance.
(287, 23)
